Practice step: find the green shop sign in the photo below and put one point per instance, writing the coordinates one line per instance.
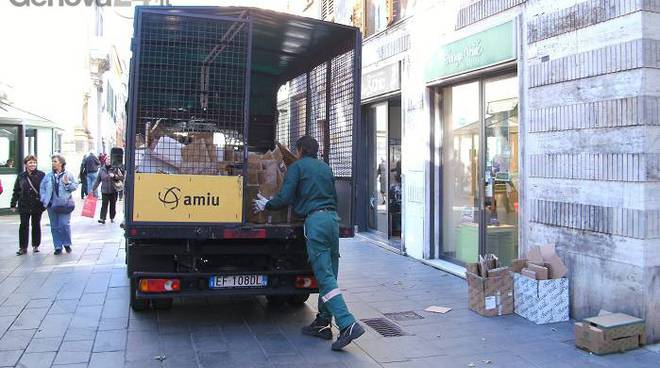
(483, 49)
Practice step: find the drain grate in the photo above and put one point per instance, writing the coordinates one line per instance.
(384, 327)
(403, 316)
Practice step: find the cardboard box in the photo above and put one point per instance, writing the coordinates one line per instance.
(253, 176)
(518, 264)
(528, 273)
(540, 271)
(490, 296)
(610, 333)
(541, 301)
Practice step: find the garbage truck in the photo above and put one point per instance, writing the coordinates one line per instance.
(218, 96)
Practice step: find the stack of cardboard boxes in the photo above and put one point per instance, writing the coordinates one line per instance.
(192, 154)
(265, 175)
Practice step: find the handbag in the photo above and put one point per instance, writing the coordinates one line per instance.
(61, 205)
(89, 207)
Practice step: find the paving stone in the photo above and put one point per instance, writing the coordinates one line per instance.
(10, 311)
(113, 359)
(54, 325)
(92, 299)
(29, 319)
(39, 303)
(65, 306)
(36, 360)
(9, 358)
(110, 341)
(16, 339)
(74, 352)
(42, 345)
(79, 334)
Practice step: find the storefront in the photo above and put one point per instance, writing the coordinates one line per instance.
(474, 169)
(381, 109)
(23, 134)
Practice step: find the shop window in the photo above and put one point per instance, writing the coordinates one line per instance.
(8, 149)
(30, 141)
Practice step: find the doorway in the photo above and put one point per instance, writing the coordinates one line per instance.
(476, 174)
(383, 121)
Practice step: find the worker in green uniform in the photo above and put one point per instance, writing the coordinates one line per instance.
(309, 186)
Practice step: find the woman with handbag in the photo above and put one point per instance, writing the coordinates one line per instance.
(26, 196)
(55, 190)
(111, 180)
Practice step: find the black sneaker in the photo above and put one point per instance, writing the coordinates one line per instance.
(58, 252)
(101, 221)
(21, 252)
(68, 248)
(347, 335)
(35, 249)
(319, 328)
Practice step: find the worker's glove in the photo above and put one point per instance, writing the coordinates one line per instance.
(259, 204)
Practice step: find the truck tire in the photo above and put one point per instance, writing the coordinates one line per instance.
(162, 304)
(276, 300)
(298, 299)
(138, 305)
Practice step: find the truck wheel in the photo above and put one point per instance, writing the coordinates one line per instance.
(276, 300)
(138, 305)
(298, 299)
(162, 304)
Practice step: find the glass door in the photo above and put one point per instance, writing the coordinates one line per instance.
(459, 179)
(478, 177)
(501, 176)
(377, 120)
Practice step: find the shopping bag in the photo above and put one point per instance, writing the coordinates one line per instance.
(89, 207)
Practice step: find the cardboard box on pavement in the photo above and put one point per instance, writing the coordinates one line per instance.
(492, 295)
(541, 301)
(610, 333)
(540, 289)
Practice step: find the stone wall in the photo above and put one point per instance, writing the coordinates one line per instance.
(592, 149)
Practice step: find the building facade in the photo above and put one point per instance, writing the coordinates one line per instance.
(496, 125)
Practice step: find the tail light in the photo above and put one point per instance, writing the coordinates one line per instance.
(160, 285)
(346, 232)
(305, 282)
(245, 234)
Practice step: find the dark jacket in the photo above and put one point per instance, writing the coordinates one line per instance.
(308, 185)
(92, 163)
(107, 182)
(27, 198)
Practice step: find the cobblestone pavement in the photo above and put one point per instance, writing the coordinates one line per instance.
(72, 311)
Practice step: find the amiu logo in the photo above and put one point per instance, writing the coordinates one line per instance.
(171, 198)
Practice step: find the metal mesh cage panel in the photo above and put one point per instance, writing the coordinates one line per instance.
(341, 115)
(283, 123)
(190, 106)
(297, 109)
(318, 118)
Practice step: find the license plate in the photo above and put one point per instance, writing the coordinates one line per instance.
(238, 281)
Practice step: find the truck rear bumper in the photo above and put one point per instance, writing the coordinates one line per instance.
(197, 284)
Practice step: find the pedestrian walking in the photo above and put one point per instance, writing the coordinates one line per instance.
(92, 165)
(309, 186)
(55, 192)
(111, 180)
(82, 176)
(27, 201)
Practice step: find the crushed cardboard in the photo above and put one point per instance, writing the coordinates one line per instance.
(437, 309)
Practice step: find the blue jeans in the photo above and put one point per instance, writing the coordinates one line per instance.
(322, 233)
(91, 178)
(60, 227)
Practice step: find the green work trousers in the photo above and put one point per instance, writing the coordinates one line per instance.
(322, 234)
